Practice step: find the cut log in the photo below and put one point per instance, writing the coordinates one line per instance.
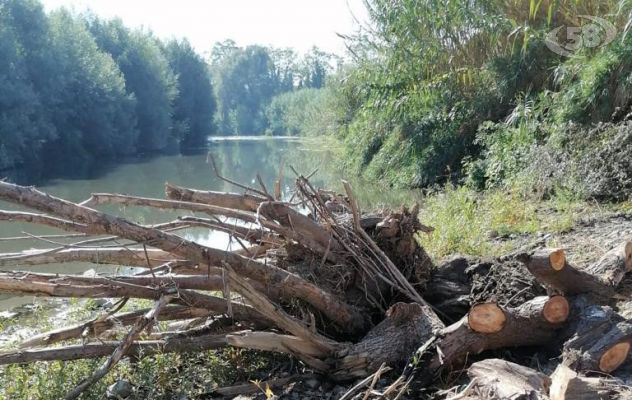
(506, 380)
(569, 385)
(549, 266)
(600, 341)
(391, 342)
(486, 318)
(245, 202)
(536, 322)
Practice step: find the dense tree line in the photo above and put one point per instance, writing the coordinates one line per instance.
(76, 88)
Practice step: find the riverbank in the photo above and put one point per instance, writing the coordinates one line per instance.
(466, 222)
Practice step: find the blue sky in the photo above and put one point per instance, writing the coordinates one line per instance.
(281, 23)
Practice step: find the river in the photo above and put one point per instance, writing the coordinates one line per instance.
(239, 158)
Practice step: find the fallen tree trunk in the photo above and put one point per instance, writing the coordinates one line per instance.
(97, 326)
(50, 285)
(391, 342)
(122, 256)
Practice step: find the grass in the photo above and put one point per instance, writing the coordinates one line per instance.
(161, 376)
(466, 220)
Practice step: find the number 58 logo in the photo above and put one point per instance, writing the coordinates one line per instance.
(597, 33)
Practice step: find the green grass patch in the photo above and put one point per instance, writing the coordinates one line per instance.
(466, 221)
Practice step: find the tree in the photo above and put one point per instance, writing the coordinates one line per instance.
(245, 83)
(314, 68)
(194, 106)
(24, 125)
(92, 112)
(148, 77)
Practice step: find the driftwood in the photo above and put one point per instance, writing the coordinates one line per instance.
(567, 384)
(350, 295)
(506, 380)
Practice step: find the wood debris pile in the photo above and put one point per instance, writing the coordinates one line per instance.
(349, 294)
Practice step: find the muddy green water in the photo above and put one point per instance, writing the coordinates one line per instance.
(239, 158)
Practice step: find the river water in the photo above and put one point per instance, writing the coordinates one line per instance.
(239, 158)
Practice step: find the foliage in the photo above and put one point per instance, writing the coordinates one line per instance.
(194, 107)
(441, 91)
(247, 79)
(299, 112)
(148, 77)
(160, 376)
(74, 89)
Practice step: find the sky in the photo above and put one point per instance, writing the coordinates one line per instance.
(299, 24)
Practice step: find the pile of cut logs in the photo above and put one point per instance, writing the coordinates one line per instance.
(350, 294)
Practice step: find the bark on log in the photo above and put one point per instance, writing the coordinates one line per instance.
(391, 342)
(304, 226)
(98, 255)
(244, 202)
(569, 385)
(550, 268)
(270, 341)
(600, 340)
(292, 286)
(137, 349)
(536, 322)
(506, 380)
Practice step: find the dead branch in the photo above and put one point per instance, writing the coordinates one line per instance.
(244, 202)
(141, 324)
(97, 255)
(101, 223)
(97, 326)
(94, 350)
